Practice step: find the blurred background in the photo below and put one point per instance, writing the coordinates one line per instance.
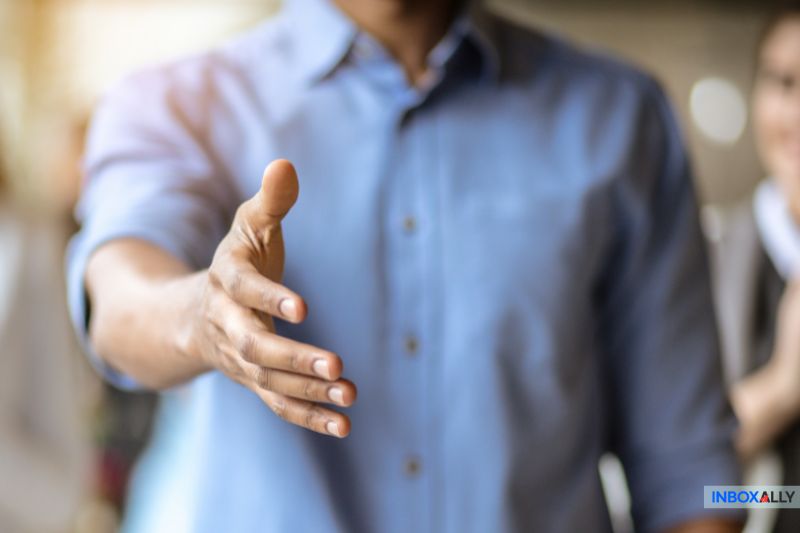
(56, 59)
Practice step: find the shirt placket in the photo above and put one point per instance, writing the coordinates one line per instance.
(409, 230)
(410, 233)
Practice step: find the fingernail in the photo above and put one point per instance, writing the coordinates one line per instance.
(332, 428)
(287, 308)
(336, 395)
(320, 368)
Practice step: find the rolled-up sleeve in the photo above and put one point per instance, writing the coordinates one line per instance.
(148, 176)
(672, 425)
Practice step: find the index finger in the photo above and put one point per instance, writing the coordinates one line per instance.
(248, 287)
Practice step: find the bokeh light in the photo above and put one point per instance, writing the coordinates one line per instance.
(718, 110)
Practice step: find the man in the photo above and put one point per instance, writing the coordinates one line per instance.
(494, 234)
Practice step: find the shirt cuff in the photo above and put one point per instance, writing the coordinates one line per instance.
(678, 497)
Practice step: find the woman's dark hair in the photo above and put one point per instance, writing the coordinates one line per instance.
(781, 11)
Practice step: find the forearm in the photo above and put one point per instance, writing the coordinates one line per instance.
(141, 300)
(764, 408)
(707, 525)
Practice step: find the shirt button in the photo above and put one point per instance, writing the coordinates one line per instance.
(411, 345)
(413, 466)
(409, 224)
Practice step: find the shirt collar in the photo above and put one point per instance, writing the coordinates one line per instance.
(479, 28)
(322, 36)
(779, 233)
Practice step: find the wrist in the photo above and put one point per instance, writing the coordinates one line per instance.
(186, 336)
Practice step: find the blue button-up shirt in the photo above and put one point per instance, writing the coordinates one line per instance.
(506, 257)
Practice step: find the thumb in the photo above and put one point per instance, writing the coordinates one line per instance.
(279, 188)
(278, 193)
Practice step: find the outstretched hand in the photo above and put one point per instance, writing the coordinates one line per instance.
(233, 328)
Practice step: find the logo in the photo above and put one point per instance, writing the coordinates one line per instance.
(754, 496)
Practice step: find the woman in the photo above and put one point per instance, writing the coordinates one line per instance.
(757, 262)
